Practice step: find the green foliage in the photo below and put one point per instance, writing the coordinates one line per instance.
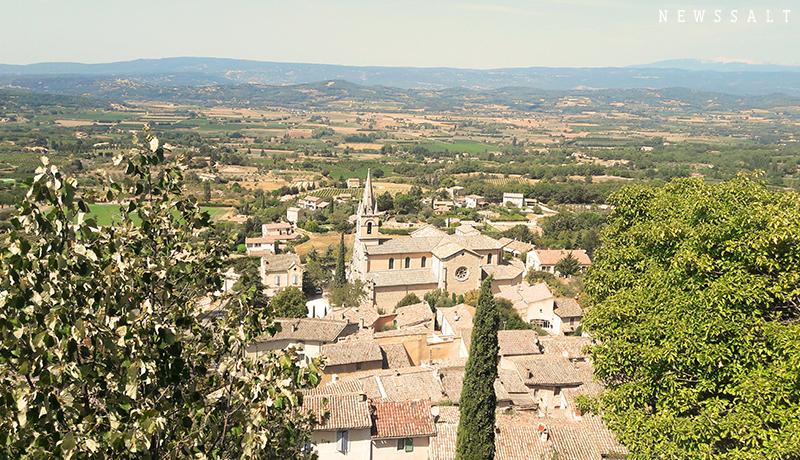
(106, 352)
(348, 294)
(439, 298)
(509, 317)
(556, 287)
(568, 266)
(695, 321)
(340, 277)
(409, 299)
(475, 439)
(289, 302)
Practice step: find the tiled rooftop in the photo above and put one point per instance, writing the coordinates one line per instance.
(309, 329)
(551, 257)
(348, 411)
(518, 342)
(412, 315)
(502, 272)
(395, 356)
(547, 371)
(352, 351)
(403, 419)
(402, 277)
(523, 294)
(354, 314)
(567, 307)
(567, 346)
(464, 312)
(279, 262)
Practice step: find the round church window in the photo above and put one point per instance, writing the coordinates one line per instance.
(462, 273)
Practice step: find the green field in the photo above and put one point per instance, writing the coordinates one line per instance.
(105, 212)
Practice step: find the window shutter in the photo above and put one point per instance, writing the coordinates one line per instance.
(341, 441)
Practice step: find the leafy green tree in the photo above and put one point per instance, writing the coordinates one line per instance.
(106, 349)
(289, 302)
(695, 321)
(568, 266)
(385, 201)
(475, 438)
(207, 191)
(405, 204)
(409, 299)
(348, 295)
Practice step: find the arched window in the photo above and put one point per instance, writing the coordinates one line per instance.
(369, 228)
(489, 258)
(424, 260)
(408, 262)
(391, 264)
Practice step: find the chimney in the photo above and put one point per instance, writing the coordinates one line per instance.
(544, 433)
(362, 397)
(335, 378)
(361, 323)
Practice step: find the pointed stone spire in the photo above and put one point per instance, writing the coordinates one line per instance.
(368, 205)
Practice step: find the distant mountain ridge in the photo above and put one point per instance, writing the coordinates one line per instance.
(723, 77)
(719, 65)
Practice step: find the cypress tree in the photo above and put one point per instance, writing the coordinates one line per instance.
(340, 279)
(475, 439)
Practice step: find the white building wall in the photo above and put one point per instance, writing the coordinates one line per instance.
(359, 445)
(387, 449)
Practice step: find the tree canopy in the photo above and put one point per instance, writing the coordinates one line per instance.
(475, 438)
(289, 302)
(107, 350)
(695, 321)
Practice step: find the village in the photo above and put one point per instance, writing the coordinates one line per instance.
(394, 371)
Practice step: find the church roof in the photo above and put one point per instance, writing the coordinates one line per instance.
(402, 277)
(405, 245)
(427, 230)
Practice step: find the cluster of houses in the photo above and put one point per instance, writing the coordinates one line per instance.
(393, 376)
(396, 392)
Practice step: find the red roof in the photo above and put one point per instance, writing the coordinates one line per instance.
(403, 419)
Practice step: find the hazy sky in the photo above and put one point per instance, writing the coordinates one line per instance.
(423, 33)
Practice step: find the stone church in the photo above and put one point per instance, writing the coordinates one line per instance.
(426, 260)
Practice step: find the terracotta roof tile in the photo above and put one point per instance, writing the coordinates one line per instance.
(402, 332)
(406, 245)
(311, 329)
(349, 411)
(413, 315)
(279, 262)
(463, 312)
(551, 257)
(338, 388)
(547, 371)
(402, 277)
(402, 384)
(427, 230)
(402, 419)
(352, 351)
(518, 342)
(395, 356)
(525, 293)
(570, 347)
(502, 272)
(567, 308)
(354, 314)
(443, 445)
